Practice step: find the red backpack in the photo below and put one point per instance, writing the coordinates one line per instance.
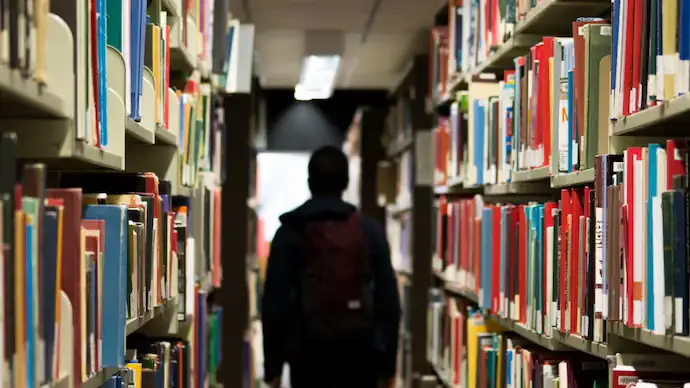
(336, 292)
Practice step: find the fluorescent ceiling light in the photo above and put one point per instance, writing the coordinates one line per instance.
(301, 94)
(317, 80)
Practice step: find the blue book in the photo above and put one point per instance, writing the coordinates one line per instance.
(518, 113)
(540, 264)
(459, 37)
(141, 45)
(219, 313)
(114, 284)
(228, 55)
(614, 49)
(529, 263)
(479, 129)
(29, 304)
(135, 69)
(102, 70)
(651, 193)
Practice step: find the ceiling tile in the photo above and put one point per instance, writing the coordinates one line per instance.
(396, 35)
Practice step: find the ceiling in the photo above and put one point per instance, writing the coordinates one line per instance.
(397, 32)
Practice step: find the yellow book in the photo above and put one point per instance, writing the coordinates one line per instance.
(58, 287)
(41, 10)
(199, 40)
(476, 324)
(136, 367)
(669, 34)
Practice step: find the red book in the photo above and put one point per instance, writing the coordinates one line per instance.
(675, 165)
(450, 222)
(496, 259)
(511, 263)
(637, 58)
(565, 238)
(574, 262)
(439, 226)
(442, 141)
(173, 248)
(537, 99)
(522, 260)
(623, 376)
(72, 266)
(462, 243)
(628, 59)
(548, 223)
(477, 252)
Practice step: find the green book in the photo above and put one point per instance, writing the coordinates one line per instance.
(597, 46)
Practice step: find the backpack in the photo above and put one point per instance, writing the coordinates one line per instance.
(336, 292)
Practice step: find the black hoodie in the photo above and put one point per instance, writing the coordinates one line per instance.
(278, 302)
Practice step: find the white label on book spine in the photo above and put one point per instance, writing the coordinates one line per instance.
(679, 315)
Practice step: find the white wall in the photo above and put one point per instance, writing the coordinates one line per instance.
(282, 186)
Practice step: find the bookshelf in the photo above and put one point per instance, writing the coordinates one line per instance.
(557, 197)
(403, 189)
(112, 210)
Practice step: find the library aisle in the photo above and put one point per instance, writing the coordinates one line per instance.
(554, 182)
(530, 163)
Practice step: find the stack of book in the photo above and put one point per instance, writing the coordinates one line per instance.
(97, 263)
(535, 117)
(77, 246)
(469, 349)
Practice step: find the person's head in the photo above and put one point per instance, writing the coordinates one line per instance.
(328, 172)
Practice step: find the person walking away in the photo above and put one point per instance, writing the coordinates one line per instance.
(330, 306)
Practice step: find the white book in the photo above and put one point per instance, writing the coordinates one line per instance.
(638, 240)
(190, 260)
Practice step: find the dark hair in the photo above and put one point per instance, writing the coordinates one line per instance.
(328, 171)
